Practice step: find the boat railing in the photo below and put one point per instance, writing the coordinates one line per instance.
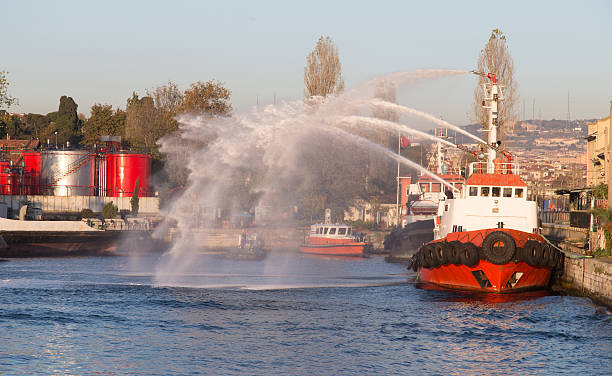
(504, 168)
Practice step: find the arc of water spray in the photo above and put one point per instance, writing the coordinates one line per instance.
(381, 149)
(355, 119)
(414, 112)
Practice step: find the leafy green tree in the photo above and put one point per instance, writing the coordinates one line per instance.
(66, 122)
(36, 124)
(102, 122)
(12, 126)
(143, 126)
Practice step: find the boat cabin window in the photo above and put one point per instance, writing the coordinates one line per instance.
(459, 186)
(436, 187)
(496, 191)
(518, 192)
(507, 192)
(319, 229)
(349, 231)
(424, 187)
(325, 231)
(332, 231)
(484, 191)
(473, 191)
(342, 231)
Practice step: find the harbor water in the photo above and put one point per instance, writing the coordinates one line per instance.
(289, 314)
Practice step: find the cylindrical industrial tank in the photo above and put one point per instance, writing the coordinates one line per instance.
(67, 172)
(6, 178)
(122, 171)
(31, 162)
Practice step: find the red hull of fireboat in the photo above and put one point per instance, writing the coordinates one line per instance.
(345, 249)
(488, 277)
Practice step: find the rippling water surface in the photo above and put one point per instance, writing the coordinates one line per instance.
(289, 314)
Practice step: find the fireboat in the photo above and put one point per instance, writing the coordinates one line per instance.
(487, 238)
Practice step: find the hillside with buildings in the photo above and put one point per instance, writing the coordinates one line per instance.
(552, 153)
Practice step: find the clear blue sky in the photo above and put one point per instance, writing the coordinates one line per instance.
(102, 51)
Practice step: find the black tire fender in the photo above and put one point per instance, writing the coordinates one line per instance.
(498, 248)
(532, 252)
(425, 257)
(439, 253)
(560, 261)
(547, 255)
(453, 250)
(468, 255)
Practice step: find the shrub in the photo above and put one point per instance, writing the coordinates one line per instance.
(87, 213)
(109, 211)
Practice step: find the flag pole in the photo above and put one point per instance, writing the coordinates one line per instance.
(397, 192)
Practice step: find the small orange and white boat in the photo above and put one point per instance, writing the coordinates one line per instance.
(487, 238)
(334, 239)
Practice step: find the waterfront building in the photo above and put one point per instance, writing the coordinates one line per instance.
(598, 145)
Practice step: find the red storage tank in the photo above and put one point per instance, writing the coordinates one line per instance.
(31, 161)
(6, 178)
(122, 171)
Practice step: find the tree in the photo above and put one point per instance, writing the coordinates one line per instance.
(66, 122)
(323, 72)
(6, 100)
(143, 122)
(207, 98)
(496, 58)
(168, 100)
(12, 126)
(36, 124)
(134, 201)
(102, 122)
(109, 211)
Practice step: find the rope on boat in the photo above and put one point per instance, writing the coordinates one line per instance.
(567, 254)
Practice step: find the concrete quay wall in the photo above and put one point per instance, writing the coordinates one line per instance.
(563, 233)
(284, 238)
(74, 204)
(589, 276)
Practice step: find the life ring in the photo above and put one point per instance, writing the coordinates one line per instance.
(498, 248)
(532, 252)
(453, 250)
(439, 253)
(468, 255)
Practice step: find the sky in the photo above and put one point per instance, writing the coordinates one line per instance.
(102, 51)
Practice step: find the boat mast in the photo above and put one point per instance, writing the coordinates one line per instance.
(492, 95)
(397, 189)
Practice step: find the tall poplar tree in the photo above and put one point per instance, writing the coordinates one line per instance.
(495, 58)
(323, 72)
